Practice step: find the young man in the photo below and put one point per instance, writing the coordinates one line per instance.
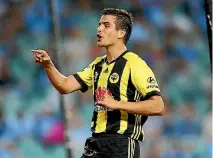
(125, 90)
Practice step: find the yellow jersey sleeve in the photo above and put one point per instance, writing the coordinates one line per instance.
(85, 77)
(144, 79)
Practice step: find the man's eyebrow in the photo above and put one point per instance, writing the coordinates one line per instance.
(104, 23)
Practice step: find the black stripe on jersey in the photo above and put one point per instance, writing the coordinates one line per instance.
(84, 86)
(114, 88)
(131, 90)
(97, 68)
(150, 94)
(118, 68)
(131, 123)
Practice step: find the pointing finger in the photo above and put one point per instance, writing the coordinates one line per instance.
(38, 51)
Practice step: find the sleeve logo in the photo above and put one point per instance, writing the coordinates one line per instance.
(152, 83)
(151, 80)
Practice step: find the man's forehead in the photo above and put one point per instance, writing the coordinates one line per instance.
(107, 18)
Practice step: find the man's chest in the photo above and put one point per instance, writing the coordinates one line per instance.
(112, 75)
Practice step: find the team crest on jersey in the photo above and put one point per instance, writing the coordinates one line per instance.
(114, 78)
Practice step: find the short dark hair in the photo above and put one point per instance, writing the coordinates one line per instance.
(124, 20)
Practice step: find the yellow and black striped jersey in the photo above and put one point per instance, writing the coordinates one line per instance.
(127, 78)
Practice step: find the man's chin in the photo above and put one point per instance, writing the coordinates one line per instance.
(100, 45)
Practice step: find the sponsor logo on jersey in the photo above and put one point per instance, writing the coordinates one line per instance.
(99, 93)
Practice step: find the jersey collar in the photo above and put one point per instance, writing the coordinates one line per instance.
(108, 63)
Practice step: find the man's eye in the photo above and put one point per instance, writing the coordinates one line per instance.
(106, 25)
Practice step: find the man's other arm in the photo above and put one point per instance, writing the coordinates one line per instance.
(153, 106)
(150, 107)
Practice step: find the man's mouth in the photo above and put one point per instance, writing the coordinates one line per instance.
(99, 37)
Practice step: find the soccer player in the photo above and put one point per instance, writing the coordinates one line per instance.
(125, 90)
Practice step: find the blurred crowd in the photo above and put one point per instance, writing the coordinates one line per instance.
(170, 35)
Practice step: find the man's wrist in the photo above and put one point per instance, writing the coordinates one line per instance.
(48, 65)
(118, 105)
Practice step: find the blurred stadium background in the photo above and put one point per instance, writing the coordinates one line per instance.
(170, 35)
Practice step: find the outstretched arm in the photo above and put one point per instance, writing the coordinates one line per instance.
(63, 84)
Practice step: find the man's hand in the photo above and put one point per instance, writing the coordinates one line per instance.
(41, 57)
(109, 102)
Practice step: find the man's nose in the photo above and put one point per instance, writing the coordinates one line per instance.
(99, 29)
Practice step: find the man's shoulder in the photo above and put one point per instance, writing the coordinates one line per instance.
(133, 59)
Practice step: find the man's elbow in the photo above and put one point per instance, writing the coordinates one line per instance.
(63, 92)
(161, 110)
(64, 87)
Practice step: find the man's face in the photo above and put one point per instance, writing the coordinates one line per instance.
(107, 34)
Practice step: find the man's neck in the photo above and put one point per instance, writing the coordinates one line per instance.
(115, 51)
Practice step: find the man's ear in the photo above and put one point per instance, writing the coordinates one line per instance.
(121, 34)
